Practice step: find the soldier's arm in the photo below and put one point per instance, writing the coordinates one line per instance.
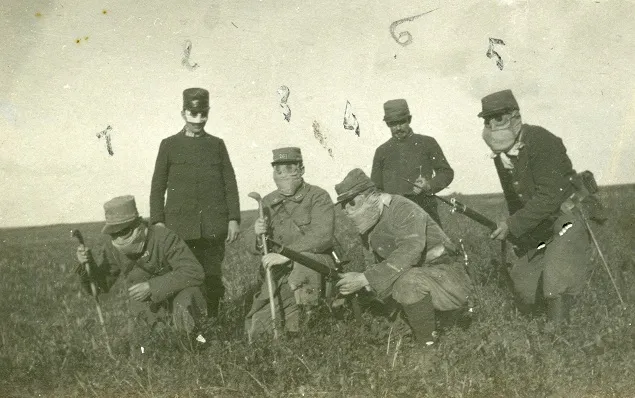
(159, 184)
(231, 187)
(318, 236)
(410, 230)
(186, 270)
(104, 272)
(444, 174)
(550, 168)
(376, 174)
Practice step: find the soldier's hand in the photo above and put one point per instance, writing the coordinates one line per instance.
(501, 232)
(423, 185)
(271, 259)
(260, 227)
(140, 291)
(160, 224)
(232, 231)
(351, 282)
(83, 254)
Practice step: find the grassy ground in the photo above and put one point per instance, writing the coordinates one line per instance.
(53, 345)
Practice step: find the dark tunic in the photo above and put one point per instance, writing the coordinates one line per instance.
(202, 192)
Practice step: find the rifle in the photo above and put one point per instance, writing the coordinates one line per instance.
(331, 274)
(520, 247)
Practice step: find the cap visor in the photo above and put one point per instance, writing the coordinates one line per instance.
(113, 228)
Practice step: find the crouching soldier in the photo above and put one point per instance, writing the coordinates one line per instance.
(535, 173)
(413, 262)
(301, 217)
(161, 274)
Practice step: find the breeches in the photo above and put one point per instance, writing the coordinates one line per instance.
(564, 263)
(448, 285)
(184, 309)
(295, 287)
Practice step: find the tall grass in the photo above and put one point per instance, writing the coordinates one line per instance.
(52, 343)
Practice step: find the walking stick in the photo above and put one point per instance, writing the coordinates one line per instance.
(263, 242)
(76, 234)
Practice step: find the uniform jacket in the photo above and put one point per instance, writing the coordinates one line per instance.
(538, 184)
(201, 184)
(401, 159)
(167, 265)
(405, 236)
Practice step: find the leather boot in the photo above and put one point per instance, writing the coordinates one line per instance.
(421, 320)
(558, 309)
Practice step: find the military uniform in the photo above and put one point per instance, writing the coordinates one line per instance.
(202, 195)
(535, 189)
(409, 158)
(303, 222)
(167, 264)
(535, 173)
(410, 260)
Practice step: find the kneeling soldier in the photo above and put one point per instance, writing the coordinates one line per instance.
(161, 273)
(301, 217)
(412, 260)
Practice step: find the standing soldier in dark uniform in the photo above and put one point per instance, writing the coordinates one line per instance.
(202, 203)
(415, 157)
(302, 218)
(535, 171)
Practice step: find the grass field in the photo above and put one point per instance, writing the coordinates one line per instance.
(52, 343)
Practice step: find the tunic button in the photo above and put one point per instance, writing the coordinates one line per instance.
(515, 182)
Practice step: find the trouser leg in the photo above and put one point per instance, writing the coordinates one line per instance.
(558, 308)
(210, 253)
(421, 319)
(188, 307)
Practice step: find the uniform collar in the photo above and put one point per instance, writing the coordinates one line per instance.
(185, 134)
(297, 197)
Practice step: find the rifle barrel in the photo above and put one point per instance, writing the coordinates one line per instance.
(306, 261)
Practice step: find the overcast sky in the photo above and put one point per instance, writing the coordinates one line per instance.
(69, 69)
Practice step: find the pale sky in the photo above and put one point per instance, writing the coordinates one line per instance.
(569, 63)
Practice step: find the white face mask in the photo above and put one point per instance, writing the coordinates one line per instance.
(501, 133)
(132, 244)
(195, 122)
(288, 178)
(366, 214)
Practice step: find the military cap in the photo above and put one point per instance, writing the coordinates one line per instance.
(196, 100)
(355, 182)
(498, 102)
(395, 110)
(287, 155)
(121, 212)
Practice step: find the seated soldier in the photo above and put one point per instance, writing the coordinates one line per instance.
(410, 260)
(301, 217)
(160, 272)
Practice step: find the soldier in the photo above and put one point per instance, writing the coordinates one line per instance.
(411, 262)
(415, 157)
(301, 217)
(161, 274)
(535, 171)
(202, 202)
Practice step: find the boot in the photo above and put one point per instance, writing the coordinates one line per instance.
(421, 319)
(558, 309)
(214, 292)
